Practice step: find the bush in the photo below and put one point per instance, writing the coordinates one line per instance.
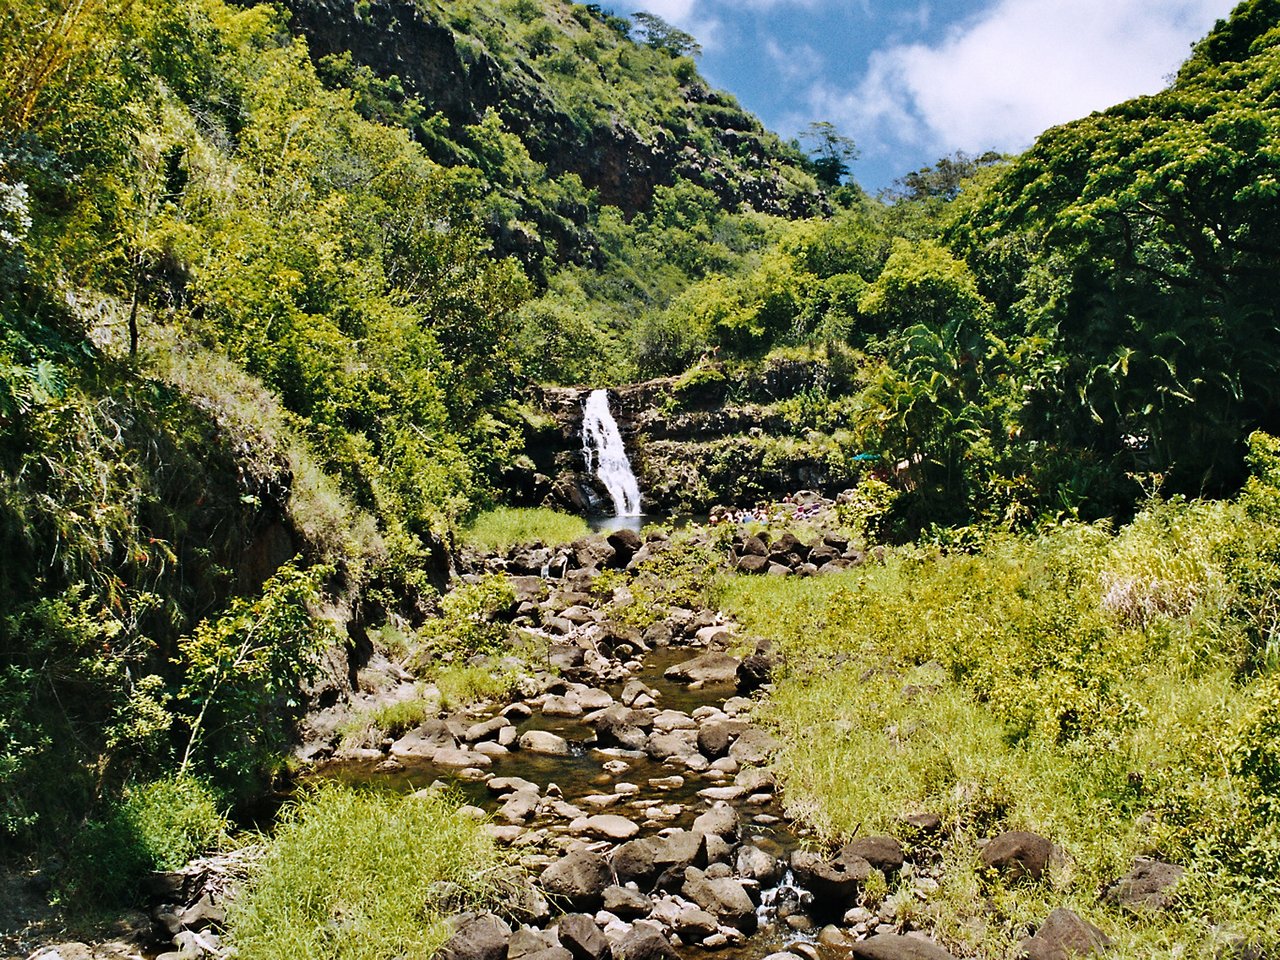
(157, 826)
(363, 875)
(500, 529)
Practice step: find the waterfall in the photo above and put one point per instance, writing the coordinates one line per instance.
(606, 456)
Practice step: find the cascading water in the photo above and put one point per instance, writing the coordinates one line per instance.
(606, 456)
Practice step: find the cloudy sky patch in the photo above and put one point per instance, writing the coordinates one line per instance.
(912, 81)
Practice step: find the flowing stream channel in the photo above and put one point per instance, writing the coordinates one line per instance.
(658, 797)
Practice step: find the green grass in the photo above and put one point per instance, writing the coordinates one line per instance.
(1101, 688)
(363, 875)
(502, 528)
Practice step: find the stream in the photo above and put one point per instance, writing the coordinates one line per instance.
(656, 796)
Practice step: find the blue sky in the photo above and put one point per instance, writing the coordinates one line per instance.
(911, 81)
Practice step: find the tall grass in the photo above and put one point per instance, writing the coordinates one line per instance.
(363, 875)
(502, 528)
(1097, 687)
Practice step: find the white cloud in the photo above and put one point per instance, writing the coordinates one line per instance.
(1017, 69)
(797, 63)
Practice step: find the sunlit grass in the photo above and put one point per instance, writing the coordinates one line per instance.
(359, 875)
(505, 527)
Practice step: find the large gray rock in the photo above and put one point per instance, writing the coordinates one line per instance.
(1063, 936)
(1018, 855)
(888, 946)
(709, 668)
(611, 827)
(721, 820)
(753, 673)
(1147, 887)
(526, 942)
(722, 897)
(577, 879)
(754, 747)
(716, 736)
(477, 936)
(681, 849)
(665, 746)
(582, 938)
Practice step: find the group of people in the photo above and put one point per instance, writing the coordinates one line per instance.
(791, 507)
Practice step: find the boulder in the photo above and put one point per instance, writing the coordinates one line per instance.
(721, 821)
(544, 742)
(709, 668)
(527, 941)
(753, 673)
(680, 849)
(611, 827)
(626, 544)
(835, 884)
(716, 736)
(752, 863)
(635, 861)
(1018, 855)
(582, 938)
(477, 936)
(888, 946)
(754, 547)
(1147, 887)
(578, 879)
(644, 942)
(694, 924)
(723, 897)
(753, 747)
(1063, 936)
(424, 740)
(662, 746)
(626, 903)
(883, 853)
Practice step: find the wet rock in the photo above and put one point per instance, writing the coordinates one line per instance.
(724, 898)
(1018, 855)
(544, 742)
(578, 879)
(477, 936)
(1063, 936)
(709, 668)
(888, 946)
(1147, 887)
(883, 853)
(644, 942)
(582, 938)
(626, 903)
(721, 820)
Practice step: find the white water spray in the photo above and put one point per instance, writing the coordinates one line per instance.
(606, 456)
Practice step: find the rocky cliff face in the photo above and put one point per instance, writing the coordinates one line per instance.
(691, 452)
(455, 75)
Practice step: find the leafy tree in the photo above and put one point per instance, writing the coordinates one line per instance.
(830, 152)
(657, 34)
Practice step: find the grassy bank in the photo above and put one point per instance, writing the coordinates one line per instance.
(363, 875)
(505, 527)
(1111, 690)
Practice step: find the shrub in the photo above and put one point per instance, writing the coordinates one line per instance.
(363, 875)
(501, 529)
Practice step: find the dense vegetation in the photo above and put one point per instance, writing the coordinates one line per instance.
(269, 311)
(1112, 689)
